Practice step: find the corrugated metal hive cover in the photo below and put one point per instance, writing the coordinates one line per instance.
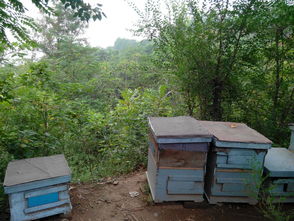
(280, 161)
(33, 169)
(234, 132)
(177, 127)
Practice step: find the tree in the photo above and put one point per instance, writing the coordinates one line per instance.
(14, 19)
(205, 48)
(56, 31)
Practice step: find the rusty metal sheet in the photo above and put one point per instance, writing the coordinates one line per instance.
(33, 169)
(177, 127)
(234, 132)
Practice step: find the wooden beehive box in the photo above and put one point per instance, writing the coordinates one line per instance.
(235, 162)
(279, 167)
(177, 158)
(37, 187)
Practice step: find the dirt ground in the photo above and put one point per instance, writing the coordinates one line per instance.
(111, 201)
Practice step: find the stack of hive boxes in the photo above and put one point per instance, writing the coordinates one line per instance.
(235, 162)
(177, 158)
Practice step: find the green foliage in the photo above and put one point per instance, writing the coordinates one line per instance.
(122, 44)
(14, 18)
(5, 157)
(231, 60)
(270, 206)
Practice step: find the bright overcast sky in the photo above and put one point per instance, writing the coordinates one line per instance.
(120, 18)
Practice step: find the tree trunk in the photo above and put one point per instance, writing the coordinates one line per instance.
(278, 68)
(216, 110)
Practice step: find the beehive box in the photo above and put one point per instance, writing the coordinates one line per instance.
(235, 162)
(177, 158)
(279, 167)
(37, 187)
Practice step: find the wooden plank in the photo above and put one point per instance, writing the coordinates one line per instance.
(181, 168)
(218, 153)
(184, 140)
(184, 187)
(37, 184)
(17, 206)
(234, 187)
(229, 199)
(191, 147)
(46, 206)
(282, 194)
(221, 159)
(186, 178)
(233, 170)
(290, 187)
(151, 147)
(176, 158)
(230, 180)
(280, 173)
(241, 145)
(44, 191)
(234, 166)
(283, 181)
(151, 185)
(152, 173)
(162, 180)
(46, 213)
(277, 188)
(242, 194)
(239, 160)
(155, 146)
(242, 152)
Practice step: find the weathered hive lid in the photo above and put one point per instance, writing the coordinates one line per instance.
(170, 129)
(236, 135)
(279, 162)
(34, 169)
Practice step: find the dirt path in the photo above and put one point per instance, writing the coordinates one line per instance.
(110, 202)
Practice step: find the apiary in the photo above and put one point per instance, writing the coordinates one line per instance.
(279, 170)
(37, 187)
(177, 155)
(235, 162)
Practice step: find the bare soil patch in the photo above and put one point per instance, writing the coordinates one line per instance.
(111, 201)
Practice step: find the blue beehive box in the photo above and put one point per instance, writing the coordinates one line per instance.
(38, 187)
(177, 158)
(279, 168)
(234, 163)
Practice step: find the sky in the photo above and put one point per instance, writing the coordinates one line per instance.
(120, 18)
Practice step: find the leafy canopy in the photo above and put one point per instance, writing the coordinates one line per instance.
(13, 18)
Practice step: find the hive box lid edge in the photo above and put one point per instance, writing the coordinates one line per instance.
(177, 127)
(238, 133)
(35, 169)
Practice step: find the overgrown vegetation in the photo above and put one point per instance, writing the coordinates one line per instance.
(228, 60)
